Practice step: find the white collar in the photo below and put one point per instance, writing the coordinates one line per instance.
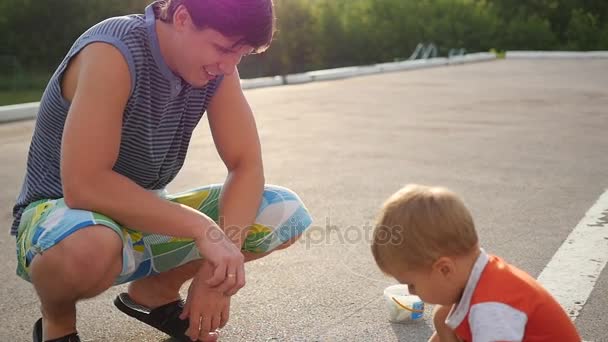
(459, 312)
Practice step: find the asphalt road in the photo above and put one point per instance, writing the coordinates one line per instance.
(524, 142)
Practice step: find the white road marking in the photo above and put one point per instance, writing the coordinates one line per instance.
(574, 269)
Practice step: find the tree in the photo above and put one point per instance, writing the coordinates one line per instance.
(583, 28)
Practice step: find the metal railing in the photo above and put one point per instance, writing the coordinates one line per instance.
(423, 51)
(430, 50)
(457, 52)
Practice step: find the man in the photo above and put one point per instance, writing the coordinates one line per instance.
(113, 130)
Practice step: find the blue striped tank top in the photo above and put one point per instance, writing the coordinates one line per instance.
(158, 120)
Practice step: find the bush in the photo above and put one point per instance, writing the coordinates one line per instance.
(603, 39)
(526, 33)
(315, 34)
(582, 33)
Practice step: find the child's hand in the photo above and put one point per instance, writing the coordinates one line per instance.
(443, 333)
(440, 314)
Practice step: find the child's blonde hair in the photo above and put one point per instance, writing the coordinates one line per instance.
(417, 225)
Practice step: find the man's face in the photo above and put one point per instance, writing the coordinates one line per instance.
(205, 54)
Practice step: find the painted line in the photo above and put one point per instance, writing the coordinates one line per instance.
(576, 266)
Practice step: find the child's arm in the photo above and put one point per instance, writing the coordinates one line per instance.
(442, 333)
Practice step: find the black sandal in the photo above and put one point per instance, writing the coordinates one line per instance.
(37, 334)
(164, 318)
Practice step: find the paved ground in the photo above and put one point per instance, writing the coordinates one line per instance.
(524, 142)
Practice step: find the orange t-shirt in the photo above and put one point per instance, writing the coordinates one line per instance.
(503, 303)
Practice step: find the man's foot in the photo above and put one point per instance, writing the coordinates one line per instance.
(164, 318)
(37, 335)
(151, 293)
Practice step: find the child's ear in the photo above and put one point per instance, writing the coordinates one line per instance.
(444, 266)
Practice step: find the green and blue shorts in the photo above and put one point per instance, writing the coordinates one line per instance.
(281, 217)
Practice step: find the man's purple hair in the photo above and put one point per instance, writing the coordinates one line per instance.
(252, 21)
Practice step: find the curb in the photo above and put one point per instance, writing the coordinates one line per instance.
(353, 71)
(18, 112)
(556, 54)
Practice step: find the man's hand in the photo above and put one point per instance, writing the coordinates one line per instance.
(227, 274)
(207, 308)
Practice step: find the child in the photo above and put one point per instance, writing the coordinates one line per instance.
(425, 238)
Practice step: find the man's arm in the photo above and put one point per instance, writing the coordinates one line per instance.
(98, 85)
(100, 81)
(236, 139)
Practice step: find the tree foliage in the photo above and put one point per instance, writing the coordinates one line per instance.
(315, 34)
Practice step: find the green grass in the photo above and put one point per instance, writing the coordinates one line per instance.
(8, 97)
(22, 86)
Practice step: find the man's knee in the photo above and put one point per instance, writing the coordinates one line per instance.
(291, 217)
(289, 242)
(84, 259)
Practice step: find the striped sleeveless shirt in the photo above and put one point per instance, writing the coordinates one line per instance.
(160, 115)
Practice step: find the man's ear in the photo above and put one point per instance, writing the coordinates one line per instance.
(445, 267)
(181, 18)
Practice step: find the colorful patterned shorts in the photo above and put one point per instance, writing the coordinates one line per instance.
(281, 217)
